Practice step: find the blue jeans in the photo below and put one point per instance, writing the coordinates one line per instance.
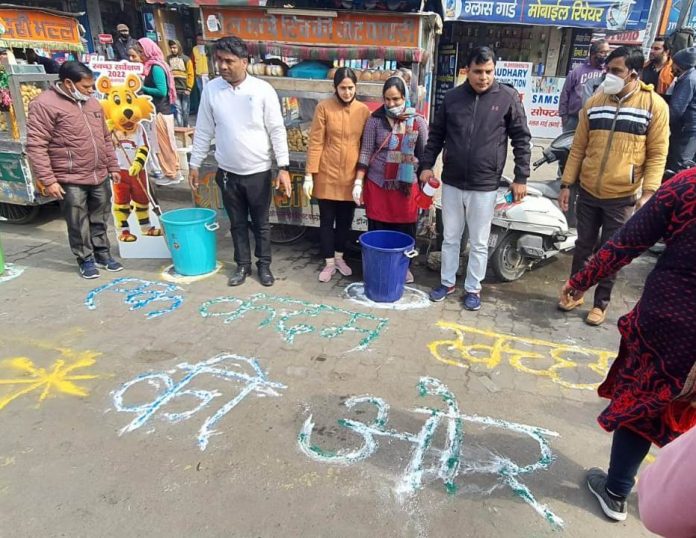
(182, 109)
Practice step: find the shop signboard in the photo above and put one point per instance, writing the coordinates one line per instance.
(674, 12)
(517, 75)
(446, 72)
(580, 51)
(542, 112)
(39, 29)
(608, 14)
(346, 28)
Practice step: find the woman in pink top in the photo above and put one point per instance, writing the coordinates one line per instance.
(667, 490)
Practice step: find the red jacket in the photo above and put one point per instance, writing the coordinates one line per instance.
(67, 141)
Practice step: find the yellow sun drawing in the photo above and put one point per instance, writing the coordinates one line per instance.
(46, 382)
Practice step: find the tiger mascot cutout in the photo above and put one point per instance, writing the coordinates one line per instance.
(125, 110)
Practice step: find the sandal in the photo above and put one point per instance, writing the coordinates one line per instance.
(153, 232)
(126, 237)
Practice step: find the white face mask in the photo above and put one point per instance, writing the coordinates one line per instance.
(396, 111)
(612, 84)
(76, 94)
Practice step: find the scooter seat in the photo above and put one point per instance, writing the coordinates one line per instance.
(547, 190)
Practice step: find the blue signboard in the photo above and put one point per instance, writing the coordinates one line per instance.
(598, 14)
(674, 12)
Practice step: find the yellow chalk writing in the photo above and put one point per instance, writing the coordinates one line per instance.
(527, 355)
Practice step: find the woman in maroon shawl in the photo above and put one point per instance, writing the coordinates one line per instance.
(651, 384)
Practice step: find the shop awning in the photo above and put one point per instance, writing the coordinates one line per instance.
(24, 27)
(597, 14)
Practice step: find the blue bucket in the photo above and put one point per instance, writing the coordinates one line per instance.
(190, 235)
(385, 257)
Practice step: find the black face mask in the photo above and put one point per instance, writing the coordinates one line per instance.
(124, 37)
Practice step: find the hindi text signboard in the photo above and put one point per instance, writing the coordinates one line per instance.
(348, 29)
(40, 29)
(609, 14)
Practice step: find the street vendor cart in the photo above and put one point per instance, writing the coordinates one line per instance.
(23, 27)
(297, 52)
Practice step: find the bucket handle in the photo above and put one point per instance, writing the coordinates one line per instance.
(411, 253)
(211, 227)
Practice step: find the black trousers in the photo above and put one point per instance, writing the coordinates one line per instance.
(628, 450)
(682, 148)
(333, 239)
(409, 228)
(597, 221)
(87, 209)
(244, 198)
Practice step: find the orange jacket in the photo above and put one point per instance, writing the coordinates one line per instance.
(665, 78)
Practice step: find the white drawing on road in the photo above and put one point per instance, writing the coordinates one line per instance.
(449, 464)
(226, 366)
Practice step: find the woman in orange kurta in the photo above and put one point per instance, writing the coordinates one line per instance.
(332, 158)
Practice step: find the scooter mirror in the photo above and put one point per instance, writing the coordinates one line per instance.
(563, 141)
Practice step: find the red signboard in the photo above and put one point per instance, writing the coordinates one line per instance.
(106, 39)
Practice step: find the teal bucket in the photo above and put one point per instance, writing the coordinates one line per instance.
(190, 235)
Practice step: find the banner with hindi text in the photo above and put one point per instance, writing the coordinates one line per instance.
(599, 14)
(31, 28)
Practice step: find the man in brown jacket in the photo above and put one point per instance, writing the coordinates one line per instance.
(70, 151)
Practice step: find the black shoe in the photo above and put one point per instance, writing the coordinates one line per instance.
(265, 276)
(239, 276)
(612, 507)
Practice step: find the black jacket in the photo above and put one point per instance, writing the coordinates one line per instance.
(121, 48)
(474, 129)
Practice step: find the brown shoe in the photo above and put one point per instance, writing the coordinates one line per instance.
(570, 304)
(596, 317)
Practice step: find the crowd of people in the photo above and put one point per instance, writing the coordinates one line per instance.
(379, 159)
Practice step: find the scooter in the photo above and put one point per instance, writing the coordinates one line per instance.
(535, 229)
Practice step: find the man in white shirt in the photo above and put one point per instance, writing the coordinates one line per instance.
(243, 114)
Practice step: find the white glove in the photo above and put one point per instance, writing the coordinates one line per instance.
(357, 191)
(308, 186)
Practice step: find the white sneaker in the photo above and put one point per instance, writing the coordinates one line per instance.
(166, 181)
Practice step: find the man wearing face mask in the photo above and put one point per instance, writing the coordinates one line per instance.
(124, 41)
(682, 111)
(618, 157)
(570, 101)
(71, 154)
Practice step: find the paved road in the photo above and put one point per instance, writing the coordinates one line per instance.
(114, 424)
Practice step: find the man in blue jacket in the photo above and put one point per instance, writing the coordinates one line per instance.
(473, 125)
(682, 110)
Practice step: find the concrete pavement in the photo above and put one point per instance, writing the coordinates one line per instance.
(114, 424)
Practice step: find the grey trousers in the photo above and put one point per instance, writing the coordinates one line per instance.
(473, 209)
(87, 209)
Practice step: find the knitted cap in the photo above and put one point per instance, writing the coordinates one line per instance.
(686, 58)
(121, 27)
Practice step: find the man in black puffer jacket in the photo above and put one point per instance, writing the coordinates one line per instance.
(473, 126)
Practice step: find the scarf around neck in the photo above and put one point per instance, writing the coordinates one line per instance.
(154, 56)
(400, 167)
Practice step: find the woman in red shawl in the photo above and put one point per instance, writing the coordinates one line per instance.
(159, 84)
(652, 383)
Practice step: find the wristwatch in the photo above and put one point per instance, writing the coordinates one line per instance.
(563, 186)
(285, 168)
